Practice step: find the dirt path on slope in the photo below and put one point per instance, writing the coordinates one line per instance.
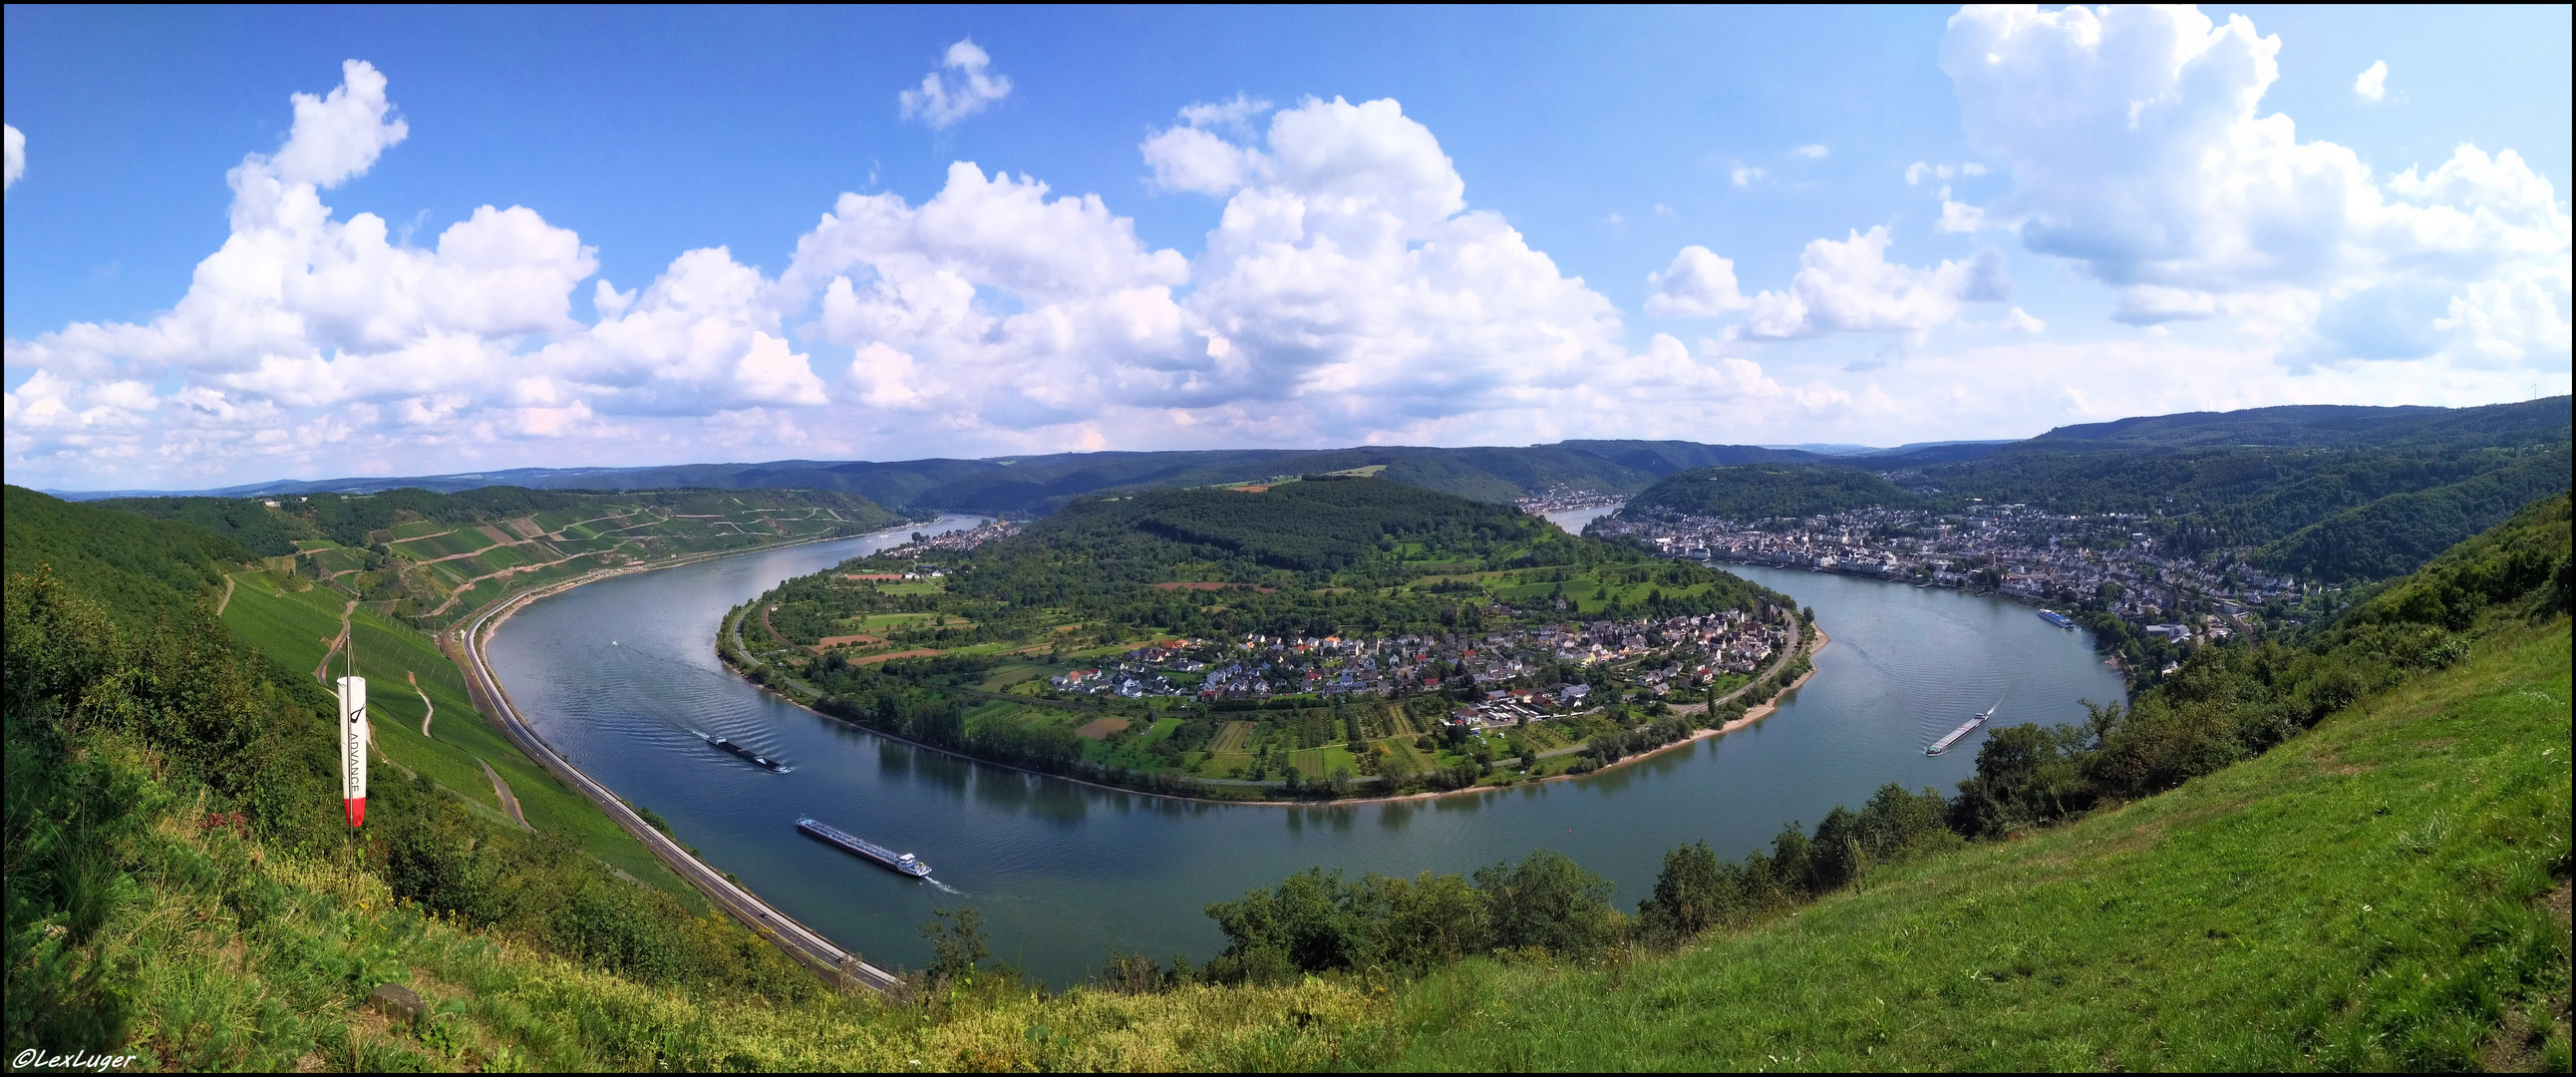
(501, 789)
(429, 710)
(322, 671)
(228, 595)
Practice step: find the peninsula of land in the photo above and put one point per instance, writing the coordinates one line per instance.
(1333, 637)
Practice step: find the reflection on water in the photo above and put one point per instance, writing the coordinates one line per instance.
(1066, 872)
(1573, 520)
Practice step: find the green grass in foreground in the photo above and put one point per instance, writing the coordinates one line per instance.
(2380, 893)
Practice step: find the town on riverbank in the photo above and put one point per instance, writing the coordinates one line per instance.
(2148, 606)
(1314, 639)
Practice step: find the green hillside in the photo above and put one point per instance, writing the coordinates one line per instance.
(1763, 491)
(292, 621)
(140, 569)
(428, 559)
(2354, 856)
(1300, 526)
(2521, 422)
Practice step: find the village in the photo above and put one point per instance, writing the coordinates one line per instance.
(1507, 677)
(2014, 550)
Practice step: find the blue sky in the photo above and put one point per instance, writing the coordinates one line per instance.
(1417, 226)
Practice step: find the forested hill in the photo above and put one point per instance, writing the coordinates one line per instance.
(2317, 425)
(1763, 491)
(141, 569)
(1308, 526)
(1319, 556)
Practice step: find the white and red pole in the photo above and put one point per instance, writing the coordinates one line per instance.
(353, 747)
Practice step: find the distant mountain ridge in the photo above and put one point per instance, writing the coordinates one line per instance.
(2316, 425)
(1035, 485)
(1028, 485)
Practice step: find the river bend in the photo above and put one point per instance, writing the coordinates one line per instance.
(621, 675)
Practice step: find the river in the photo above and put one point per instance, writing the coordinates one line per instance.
(619, 675)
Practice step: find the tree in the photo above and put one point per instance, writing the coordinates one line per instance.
(956, 943)
(1549, 902)
(1789, 853)
(1835, 859)
(1691, 894)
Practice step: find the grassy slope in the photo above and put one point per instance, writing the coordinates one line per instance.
(295, 628)
(217, 990)
(2372, 895)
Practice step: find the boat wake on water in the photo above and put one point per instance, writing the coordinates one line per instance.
(722, 742)
(756, 758)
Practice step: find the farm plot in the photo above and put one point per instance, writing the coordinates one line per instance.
(450, 544)
(1232, 738)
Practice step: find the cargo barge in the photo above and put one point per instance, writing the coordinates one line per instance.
(1943, 745)
(905, 863)
(757, 759)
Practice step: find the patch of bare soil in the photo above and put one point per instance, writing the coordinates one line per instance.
(1101, 728)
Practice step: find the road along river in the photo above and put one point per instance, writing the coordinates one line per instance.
(621, 676)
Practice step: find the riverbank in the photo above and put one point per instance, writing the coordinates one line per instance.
(729, 632)
(464, 645)
(1757, 714)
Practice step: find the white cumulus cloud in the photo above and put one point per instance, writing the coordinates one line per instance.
(2372, 83)
(1850, 286)
(941, 101)
(1698, 284)
(1095, 324)
(2139, 154)
(15, 145)
(306, 336)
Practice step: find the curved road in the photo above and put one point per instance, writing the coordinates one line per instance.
(799, 941)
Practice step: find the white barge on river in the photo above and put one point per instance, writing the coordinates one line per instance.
(1943, 744)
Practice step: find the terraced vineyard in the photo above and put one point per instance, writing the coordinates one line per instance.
(429, 560)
